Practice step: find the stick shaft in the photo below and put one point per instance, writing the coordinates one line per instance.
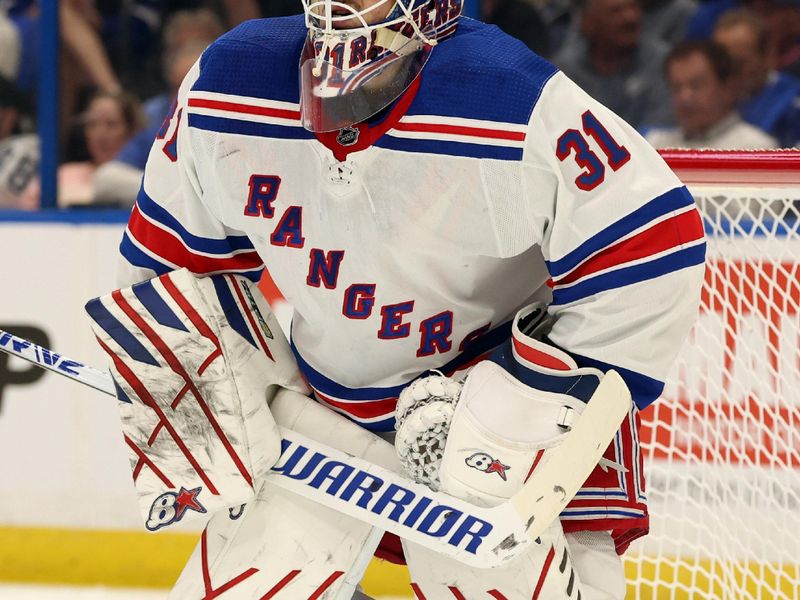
(47, 359)
(525, 516)
(418, 526)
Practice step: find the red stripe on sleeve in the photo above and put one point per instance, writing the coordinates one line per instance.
(247, 109)
(169, 247)
(680, 229)
(478, 132)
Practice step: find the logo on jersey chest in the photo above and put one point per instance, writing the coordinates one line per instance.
(348, 136)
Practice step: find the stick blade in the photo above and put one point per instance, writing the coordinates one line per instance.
(564, 468)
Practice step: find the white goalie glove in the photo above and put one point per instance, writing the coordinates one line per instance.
(478, 440)
(481, 439)
(424, 413)
(195, 362)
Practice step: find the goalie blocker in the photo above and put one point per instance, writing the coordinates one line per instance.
(195, 362)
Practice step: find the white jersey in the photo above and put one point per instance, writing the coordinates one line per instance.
(410, 242)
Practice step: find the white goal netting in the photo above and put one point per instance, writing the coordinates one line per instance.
(722, 445)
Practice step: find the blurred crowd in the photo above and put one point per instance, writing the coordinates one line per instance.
(685, 73)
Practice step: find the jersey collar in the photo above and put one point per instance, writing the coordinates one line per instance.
(366, 134)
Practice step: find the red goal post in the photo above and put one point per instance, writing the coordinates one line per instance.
(722, 445)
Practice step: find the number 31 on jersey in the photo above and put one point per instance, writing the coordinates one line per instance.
(594, 171)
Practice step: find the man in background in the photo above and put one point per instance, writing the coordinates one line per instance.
(768, 98)
(185, 36)
(518, 18)
(701, 78)
(613, 61)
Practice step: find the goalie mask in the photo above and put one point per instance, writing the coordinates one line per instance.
(352, 68)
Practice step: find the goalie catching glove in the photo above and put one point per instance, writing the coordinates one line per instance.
(480, 440)
(195, 362)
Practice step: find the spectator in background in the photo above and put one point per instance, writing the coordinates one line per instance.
(185, 36)
(664, 20)
(19, 153)
(701, 25)
(667, 19)
(782, 19)
(767, 98)
(110, 120)
(84, 60)
(241, 10)
(518, 18)
(200, 25)
(10, 48)
(783, 22)
(78, 30)
(613, 62)
(701, 79)
(559, 17)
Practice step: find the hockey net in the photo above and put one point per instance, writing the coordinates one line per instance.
(722, 445)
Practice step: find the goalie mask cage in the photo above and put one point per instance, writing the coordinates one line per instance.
(722, 445)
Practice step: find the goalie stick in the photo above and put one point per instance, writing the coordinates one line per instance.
(477, 536)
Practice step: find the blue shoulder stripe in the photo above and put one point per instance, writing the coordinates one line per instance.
(672, 200)
(258, 58)
(103, 317)
(137, 258)
(232, 243)
(449, 148)
(252, 128)
(157, 306)
(618, 278)
(644, 390)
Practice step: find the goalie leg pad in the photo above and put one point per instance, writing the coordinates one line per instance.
(195, 361)
(600, 568)
(282, 545)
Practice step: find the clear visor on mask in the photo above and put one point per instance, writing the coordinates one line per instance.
(350, 77)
